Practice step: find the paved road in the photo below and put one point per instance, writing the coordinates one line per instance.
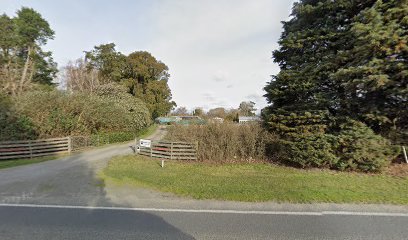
(64, 199)
(73, 223)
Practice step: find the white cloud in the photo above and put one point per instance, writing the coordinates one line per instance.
(208, 43)
(220, 76)
(221, 47)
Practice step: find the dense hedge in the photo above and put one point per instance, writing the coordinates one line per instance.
(224, 142)
(318, 140)
(14, 126)
(57, 113)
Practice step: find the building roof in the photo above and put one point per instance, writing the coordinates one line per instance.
(254, 118)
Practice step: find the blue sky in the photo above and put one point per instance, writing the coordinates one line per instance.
(218, 51)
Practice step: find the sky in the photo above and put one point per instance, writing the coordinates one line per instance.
(219, 52)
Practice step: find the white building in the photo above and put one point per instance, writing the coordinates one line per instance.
(243, 120)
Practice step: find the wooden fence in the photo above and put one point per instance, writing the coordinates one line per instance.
(171, 150)
(34, 148)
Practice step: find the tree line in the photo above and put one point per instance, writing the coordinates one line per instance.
(106, 91)
(246, 108)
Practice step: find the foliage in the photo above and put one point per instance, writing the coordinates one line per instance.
(79, 78)
(14, 126)
(147, 79)
(346, 57)
(110, 63)
(22, 61)
(198, 112)
(316, 140)
(144, 76)
(359, 148)
(217, 112)
(306, 151)
(136, 113)
(247, 108)
(180, 111)
(56, 113)
(256, 182)
(224, 142)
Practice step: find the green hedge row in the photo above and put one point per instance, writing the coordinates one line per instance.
(341, 144)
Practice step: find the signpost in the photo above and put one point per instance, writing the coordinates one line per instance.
(145, 143)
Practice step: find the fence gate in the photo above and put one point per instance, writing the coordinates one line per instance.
(34, 148)
(170, 150)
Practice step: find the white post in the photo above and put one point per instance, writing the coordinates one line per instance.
(135, 145)
(405, 154)
(162, 164)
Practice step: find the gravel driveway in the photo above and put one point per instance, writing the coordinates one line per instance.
(70, 180)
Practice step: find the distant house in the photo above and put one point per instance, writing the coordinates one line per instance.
(243, 120)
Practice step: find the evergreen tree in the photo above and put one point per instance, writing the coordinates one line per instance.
(22, 60)
(345, 57)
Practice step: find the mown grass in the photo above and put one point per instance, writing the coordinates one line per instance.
(256, 182)
(25, 161)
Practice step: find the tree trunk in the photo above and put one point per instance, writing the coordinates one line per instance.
(24, 75)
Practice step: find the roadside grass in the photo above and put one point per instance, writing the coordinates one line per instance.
(256, 182)
(25, 161)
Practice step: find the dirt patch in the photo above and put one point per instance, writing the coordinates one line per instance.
(398, 170)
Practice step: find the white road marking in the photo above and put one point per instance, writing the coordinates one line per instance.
(298, 213)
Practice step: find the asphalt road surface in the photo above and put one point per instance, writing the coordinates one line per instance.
(65, 199)
(75, 223)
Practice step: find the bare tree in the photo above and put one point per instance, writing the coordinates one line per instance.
(78, 77)
(180, 111)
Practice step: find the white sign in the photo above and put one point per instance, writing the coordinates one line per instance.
(145, 143)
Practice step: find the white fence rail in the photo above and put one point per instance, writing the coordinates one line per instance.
(34, 148)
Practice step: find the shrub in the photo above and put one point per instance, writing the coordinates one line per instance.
(306, 151)
(224, 142)
(359, 148)
(113, 137)
(135, 110)
(14, 126)
(56, 113)
(344, 144)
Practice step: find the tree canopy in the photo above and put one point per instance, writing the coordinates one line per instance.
(144, 76)
(346, 57)
(22, 60)
(247, 108)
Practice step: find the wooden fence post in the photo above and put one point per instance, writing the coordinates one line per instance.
(30, 148)
(171, 151)
(69, 144)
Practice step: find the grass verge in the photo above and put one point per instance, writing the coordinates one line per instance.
(25, 161)
(256, 182)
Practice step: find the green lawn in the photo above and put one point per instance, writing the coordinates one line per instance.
(25, 161)
(256, 182)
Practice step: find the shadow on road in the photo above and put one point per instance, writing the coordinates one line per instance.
(56, 223)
